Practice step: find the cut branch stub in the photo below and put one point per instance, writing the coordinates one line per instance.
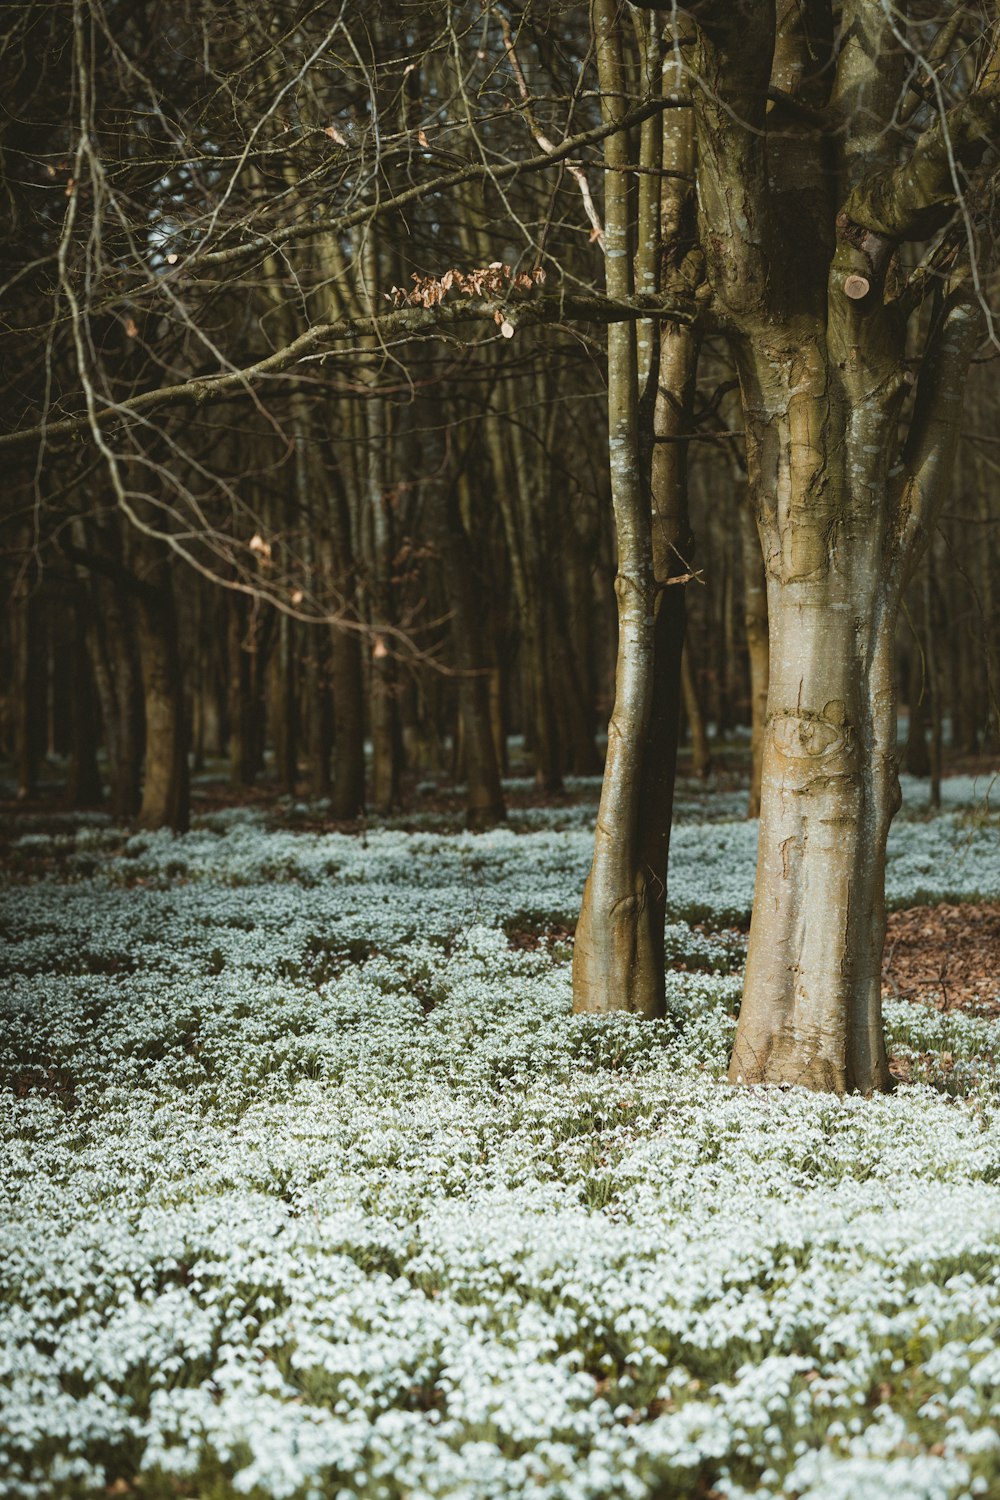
(856, 287)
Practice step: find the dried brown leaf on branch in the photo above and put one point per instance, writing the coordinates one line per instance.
(495, 280)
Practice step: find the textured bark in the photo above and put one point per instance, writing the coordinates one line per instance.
(755, 625)
(618, 953)
(820, 345)
(618, 956)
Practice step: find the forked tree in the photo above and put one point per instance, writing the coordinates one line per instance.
(843, 163)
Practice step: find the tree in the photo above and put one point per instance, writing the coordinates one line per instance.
(818, 172)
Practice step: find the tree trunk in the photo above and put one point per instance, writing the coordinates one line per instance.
(618, 956)
(166, 791)
(26, 690)
(348, 796)
(812, 1012)
(242, 716)
(916, 758)
(701, 756)
(484, 804)
(755, 622)
(284, 706)
(84, 785)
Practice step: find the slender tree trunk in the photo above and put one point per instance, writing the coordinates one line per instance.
(484, 804)
(917, 759)
(618, 954)
(284, 705)
(166, 791)
(701, 755)
(318, 710)
(242, 755)
(933, 685)
(84, 787)
(348, 724)
(26, 689)
(130, 717)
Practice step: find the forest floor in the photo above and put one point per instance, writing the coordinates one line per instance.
(313, 1186)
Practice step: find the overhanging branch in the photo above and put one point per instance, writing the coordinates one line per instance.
(405, 322)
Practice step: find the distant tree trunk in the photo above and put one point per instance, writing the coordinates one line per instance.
(84, 785)
(284, 706)
(516, 483)
(933, 684)
(348, 724)
(917, 759)
(166, 790)
(26, 689)
(701, 756)
(114, 658)
(244, 755)
(484, 804)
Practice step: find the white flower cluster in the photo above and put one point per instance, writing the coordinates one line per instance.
(313, 1187)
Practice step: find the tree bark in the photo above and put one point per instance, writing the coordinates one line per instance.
(819, 333)
(166, 790)
(618, 957)
(755, 624)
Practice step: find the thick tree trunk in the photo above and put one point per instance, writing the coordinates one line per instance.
(812, 1012)
(755, 624)
(166, 791)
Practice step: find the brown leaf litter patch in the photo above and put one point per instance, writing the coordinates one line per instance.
(946, 955)
(528, 938)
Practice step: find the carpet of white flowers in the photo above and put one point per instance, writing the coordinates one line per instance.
(312, 1185)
